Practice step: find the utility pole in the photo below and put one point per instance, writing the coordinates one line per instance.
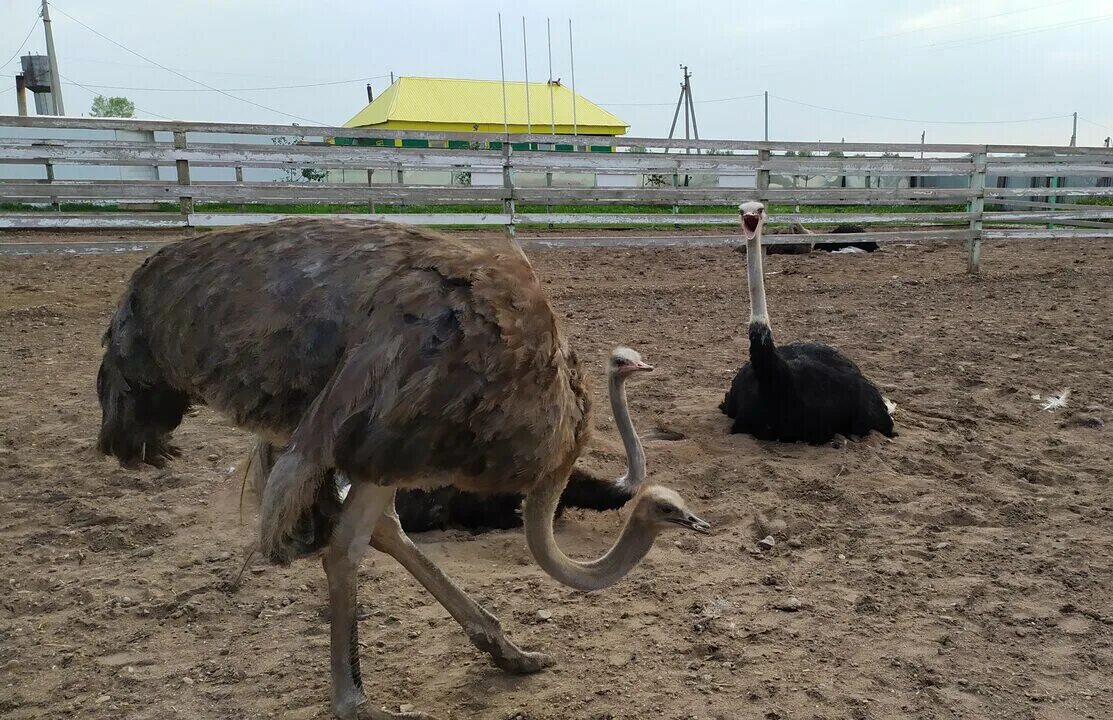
(1073, 132)
(21, 97)
(685, 101)
(55, 78)
(370, 93)
(1108, 139)
(766, 116)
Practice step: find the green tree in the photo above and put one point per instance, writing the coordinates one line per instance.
(302, 174)
(117, 107)
(652, 180)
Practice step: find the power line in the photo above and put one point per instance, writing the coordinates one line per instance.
(97, 94)
(915, 120)
(773, 60)
(190, 70)
(22, 44)
(976, 40)
(1096, 124)
(242, 89)
(186, 77)
(670, 104)
(967, 20)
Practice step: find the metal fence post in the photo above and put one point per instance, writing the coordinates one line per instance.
(508, 186)
(976, 208)
(185, 201)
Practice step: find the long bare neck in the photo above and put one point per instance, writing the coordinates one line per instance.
(633, 542)
(634, 476)
(756, 279)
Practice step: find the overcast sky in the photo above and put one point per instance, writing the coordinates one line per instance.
(926, 61)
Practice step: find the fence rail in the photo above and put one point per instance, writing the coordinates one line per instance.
(108, 167)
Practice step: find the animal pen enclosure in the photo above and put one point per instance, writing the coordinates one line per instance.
(69, 173)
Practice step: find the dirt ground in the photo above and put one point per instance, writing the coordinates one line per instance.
(961, 570)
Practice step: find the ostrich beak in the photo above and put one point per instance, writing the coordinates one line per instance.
(750, 222)
(692, 522)
(634, 367)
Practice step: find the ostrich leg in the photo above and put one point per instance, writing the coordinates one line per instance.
(365, 505)
(482, 627)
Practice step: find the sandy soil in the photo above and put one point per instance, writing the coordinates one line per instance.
(961, 570)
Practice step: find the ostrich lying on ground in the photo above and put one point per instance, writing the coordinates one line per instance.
(396, 356)
(440, 508)
(800, 392)
(868, 246)
(801, 248)
(421, 510)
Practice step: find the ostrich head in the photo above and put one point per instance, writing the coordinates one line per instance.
(659, 509)
(753, 218)
(625, 362)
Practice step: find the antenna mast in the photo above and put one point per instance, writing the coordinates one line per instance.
(572, 62)
(552, 102)
(525, 59)
(502, 68)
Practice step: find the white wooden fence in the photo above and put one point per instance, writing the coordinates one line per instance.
(1032, 192)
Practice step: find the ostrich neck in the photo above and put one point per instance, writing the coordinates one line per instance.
(633, 542)
(635, 454)
(756, 279)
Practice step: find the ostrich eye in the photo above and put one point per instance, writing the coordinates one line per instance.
(665, 509)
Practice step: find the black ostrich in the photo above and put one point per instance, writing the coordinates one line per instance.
(422, 510)
(800, 392)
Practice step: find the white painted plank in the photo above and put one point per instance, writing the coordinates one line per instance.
(59, 221)
(230, 219)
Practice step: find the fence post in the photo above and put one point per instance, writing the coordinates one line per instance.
(976, 208)
(763, 156)
(185, 201)
(54, 204)
(508, 185)
(239, 181)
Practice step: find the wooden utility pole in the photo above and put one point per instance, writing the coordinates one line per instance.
(52, 55)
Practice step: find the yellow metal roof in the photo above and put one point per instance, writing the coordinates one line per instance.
(420, 103)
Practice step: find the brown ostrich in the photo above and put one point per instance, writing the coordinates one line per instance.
(396, 356)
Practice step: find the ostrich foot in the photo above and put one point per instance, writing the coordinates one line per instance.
(505, 654)
(522, 662)
(368, 713)
(482, 628)
(355, 708)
